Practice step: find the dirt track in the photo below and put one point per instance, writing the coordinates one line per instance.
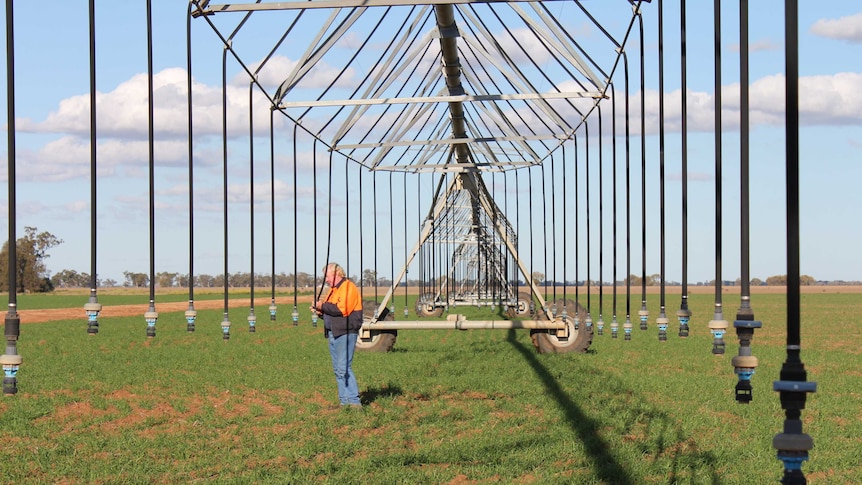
(48, 315)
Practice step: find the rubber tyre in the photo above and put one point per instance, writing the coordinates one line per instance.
(381, 340)
(425, 308)
(523, 308)
(547, 342)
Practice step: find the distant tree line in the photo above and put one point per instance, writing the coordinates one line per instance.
(33, 276)
(31, 251)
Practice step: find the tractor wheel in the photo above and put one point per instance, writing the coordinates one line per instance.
(381, 340)
(522, 309)
(425, 306)
(547, 342)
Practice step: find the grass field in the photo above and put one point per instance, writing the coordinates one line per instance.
(444, 407)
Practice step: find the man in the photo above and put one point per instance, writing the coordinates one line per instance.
(342, 319)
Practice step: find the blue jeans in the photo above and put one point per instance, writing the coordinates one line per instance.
(341, 349)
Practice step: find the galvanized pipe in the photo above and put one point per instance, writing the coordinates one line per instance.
(463, 324)
(452, 73)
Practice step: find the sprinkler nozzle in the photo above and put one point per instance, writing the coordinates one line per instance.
(718, 328)
(225, 328)
(151, 317)
(92, 308)
(684, 316)
(662, 323)
(643, 314)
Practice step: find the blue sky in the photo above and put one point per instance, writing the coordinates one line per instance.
(53, 154)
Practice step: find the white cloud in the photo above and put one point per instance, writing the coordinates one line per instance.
(124, 112)
(123, 148)
(68, 158)
(845, 28)
(278, 68)
(824, 100)
(78, 206)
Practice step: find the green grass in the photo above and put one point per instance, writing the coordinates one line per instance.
(443, 407)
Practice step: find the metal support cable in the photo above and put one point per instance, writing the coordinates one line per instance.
(251, 201)
(601, 322)
(744, 363)
(374, 220)
(614, 323)
(792, 444)
(661, 321)
(11, 157)
(225, 320)
(554, 224)
(718, 325)
(228, 45)
(643, 313)
(510, 260)
(329, 191)
(565, 225)
(558, 30)
(399, 92)
(545, 226)
(361, 235)
(718, 155)
(483, 73)
(744, 193)
(295, 315)
(422, 266)
(191, 314)
(92, 307)
(618, 45)
(627, 326)
(314, 228)
(151, 165)
(518, 222)
(532, 60)
(792, 132)
(378, 85)
(349, 62)
(11, 327)
(93, 151)
(377, 62)
(530, 219)
(476, 20)
(577, 230)
(272, 307)
(318, 47)
(314, 217)
(684, 313)
(346, 215)
(392, 240)
(587, 215)
(406, 256)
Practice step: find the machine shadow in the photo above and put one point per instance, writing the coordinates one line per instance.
(607, 468)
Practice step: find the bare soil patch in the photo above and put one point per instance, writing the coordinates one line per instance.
(52, 314)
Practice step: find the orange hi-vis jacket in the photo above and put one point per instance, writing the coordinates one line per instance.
(342, 309)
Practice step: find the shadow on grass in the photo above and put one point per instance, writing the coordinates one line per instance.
(372, 394)
(686, 460)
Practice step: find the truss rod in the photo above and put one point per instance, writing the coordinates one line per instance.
(451, 141)
(205, 9)
(441, 99)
